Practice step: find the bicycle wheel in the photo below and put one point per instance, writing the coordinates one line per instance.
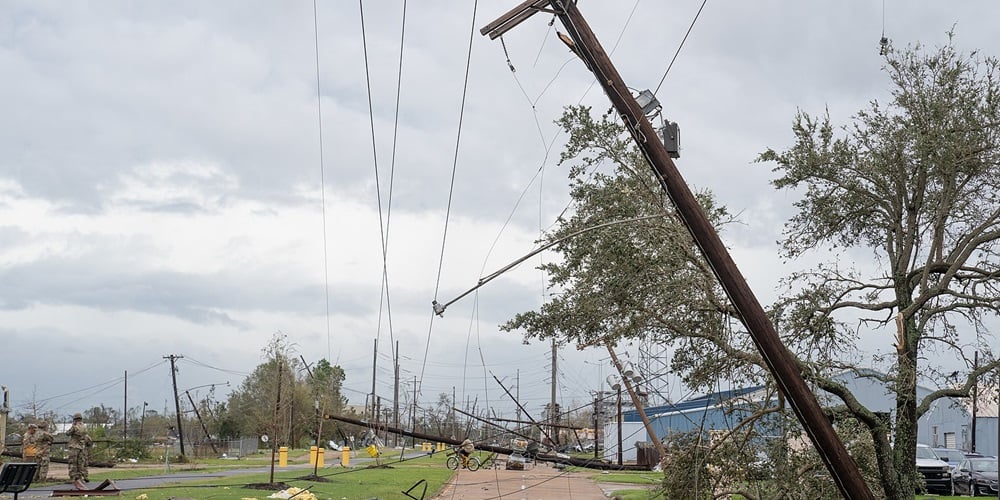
(452, 462)
(473, 463)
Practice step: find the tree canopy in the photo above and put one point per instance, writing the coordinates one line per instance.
(280, 397)
(905, 199)
(629, 268)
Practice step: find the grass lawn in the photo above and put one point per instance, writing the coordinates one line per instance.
(335, 483)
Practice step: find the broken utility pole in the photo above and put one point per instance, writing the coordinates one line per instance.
(592, 463)
(780, 362)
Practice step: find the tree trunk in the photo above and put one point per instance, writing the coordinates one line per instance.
(905, 433)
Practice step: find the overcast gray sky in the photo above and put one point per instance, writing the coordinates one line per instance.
(161, 189)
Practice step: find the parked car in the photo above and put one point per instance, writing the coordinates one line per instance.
(977, 476)
(936, 473)
(950, 455)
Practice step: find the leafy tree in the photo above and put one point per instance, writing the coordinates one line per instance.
(913, 182)
(325, 385)
(631, 271)
(100, 415)
(251, 408)
(629, 267)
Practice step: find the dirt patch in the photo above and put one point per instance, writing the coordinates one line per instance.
(267, 486)
(314, 478)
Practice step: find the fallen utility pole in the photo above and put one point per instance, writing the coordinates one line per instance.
(557, 426)
(498, 426)
(518, 403)
(541, 457)
(779, 361)
(202, 422)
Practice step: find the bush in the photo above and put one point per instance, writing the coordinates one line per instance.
(131, 448)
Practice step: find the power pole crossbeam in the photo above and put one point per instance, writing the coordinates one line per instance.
(512, 18)
(780, 362)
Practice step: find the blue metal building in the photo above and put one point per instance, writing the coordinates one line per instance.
(947, 424)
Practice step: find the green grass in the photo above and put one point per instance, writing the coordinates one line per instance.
(342, 483)
(638, 477)
(634, 495)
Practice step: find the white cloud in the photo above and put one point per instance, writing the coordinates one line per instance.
(160, 184)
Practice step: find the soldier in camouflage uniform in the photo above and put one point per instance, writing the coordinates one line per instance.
(28, 449)
(79, 443)
(43, 443)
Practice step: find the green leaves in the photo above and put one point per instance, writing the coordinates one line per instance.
(912, 182)
(639, 278)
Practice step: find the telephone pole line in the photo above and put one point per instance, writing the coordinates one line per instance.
(779, 361)
(177, 400)
(395, 394)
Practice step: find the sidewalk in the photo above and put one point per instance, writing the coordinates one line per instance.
(541, 482)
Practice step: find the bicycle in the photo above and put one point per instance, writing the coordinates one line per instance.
(454, 460)
(490, 462)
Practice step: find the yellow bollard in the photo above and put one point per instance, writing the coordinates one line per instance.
(312, 455)
(319, 457)
(283, 456)
(442, 447)
(345, 456)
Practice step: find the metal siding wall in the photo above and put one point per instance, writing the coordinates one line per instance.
(986, 436)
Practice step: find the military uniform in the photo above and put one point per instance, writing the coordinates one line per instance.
(79, 443)
(43, 445)
(28, 449)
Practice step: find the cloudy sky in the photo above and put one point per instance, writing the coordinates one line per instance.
(163, 190)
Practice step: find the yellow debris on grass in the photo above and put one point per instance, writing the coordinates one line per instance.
(298, 493)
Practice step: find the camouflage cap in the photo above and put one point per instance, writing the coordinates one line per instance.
(77, 416)
(32, 426)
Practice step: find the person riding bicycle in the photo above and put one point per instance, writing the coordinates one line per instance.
(465, 450)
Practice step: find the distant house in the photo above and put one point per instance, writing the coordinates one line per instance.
(947, 424)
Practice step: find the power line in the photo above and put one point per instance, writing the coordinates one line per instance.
(322, 183)
(388, 214)
(671, 65)
(378, 183)
(223, 370)
(451, 187)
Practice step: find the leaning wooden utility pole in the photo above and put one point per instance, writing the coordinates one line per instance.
(780, 362)
(638, 406)
(177, 399)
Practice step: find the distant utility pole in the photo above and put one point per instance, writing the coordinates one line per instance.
(975, 401)
(517, 392)
(779, 361)
(125, 413)
(395, 396)
(373, 415)
(413, 411)
(197, 414)
(553, 408)
(177, 400)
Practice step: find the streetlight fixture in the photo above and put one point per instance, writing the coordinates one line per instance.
(648, 102)
(142, 420)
